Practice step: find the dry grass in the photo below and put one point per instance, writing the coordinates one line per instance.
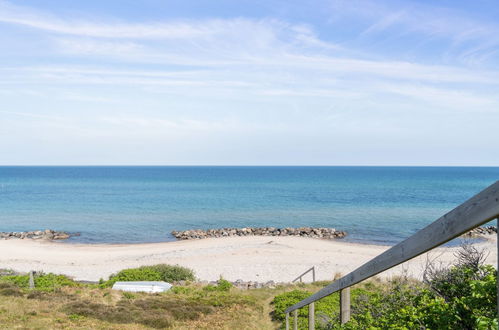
(87, 307)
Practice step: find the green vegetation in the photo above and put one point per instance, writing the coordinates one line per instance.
(222, 285)
(45, 282)
(70, 305)
(463, 296)
(326, 309)
(167, 273)
(459, 297)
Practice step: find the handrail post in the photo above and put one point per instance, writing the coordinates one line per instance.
(287, 321)
(295, 319)
(311, 316)
(345, 305)
(313, 274)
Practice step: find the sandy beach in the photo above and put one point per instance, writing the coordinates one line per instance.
(253, 258)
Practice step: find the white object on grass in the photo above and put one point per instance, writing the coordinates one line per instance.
(145, 286)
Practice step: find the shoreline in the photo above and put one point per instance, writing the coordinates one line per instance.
(476, 235)
(247, 258)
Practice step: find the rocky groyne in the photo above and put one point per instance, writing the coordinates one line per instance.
(326, 233)
(47, 234)
(481, 231)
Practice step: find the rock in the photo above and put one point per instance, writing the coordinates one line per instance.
(481, 231)
(325, 233)
(37, 234)
(240, 284)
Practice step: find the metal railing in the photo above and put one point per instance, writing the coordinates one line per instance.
(312, 269)
(480, 209)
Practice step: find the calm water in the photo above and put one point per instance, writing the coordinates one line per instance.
(143, 204)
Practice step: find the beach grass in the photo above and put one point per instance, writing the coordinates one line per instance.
(89, 306)
(192, 306)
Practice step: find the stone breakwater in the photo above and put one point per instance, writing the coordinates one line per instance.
(481, 231)
(326, 233)
(47, 234)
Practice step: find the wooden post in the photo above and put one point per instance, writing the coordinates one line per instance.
(313, 274)
(345, 305)
(31, 279)
(287, 321)
(311, 316)
(295, 319)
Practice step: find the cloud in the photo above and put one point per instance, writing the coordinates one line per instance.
(453, 32)
(255, 32)
(40, 20)
(444, 97)
(93, 47)
(235, 81)
(266, 44)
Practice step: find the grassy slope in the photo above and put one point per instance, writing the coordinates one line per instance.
(87, 307)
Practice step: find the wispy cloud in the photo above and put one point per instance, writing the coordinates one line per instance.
(457, 33)
(238, 80)
(45, 21)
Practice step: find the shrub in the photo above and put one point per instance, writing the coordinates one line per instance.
(167, 273)
(134, 274)
(462, 296)
(182, 290)
(288, 299)
(175, 273)
(326, 308)
(42, 281)
(224, 285)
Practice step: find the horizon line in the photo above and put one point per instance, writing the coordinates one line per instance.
(228, 165)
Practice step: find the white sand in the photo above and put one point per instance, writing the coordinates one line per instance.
(254, 258)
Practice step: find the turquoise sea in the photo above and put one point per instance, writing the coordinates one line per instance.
(144, 204)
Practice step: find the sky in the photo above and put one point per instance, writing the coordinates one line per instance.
(159, 82)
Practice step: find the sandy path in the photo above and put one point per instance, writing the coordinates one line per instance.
(252, 258)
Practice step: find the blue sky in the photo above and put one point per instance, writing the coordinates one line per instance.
(249, 82)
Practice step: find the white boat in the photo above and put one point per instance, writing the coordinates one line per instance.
(143, 286)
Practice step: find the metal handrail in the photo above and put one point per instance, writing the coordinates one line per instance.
(312, 269)
(481, 208)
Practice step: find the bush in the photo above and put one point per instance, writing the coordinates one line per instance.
(222, 286)
(175, 273)
(325, 309)
(462, 296)
(161, 272)
(288, 299)
(42, 281)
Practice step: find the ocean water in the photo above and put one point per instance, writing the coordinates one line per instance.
(144, 204)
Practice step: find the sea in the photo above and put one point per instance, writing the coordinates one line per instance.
(138, 204)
